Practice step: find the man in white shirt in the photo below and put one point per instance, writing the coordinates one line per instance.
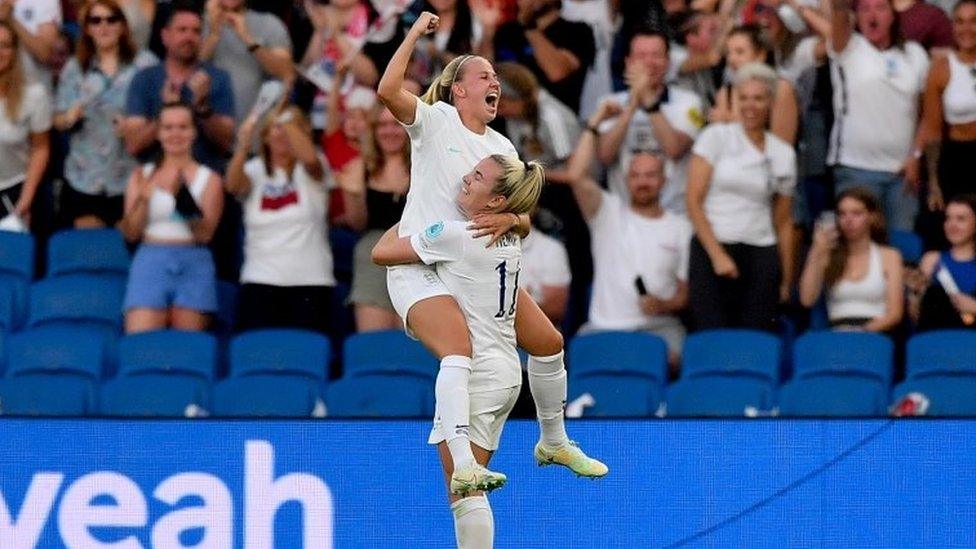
(640, 250)
(37, 24)
(656, 118)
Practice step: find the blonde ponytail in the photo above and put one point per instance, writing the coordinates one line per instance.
(521, 183)
(440, 88)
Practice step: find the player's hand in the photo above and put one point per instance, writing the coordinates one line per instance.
(494, 225)
(426, 24)
(724, 266)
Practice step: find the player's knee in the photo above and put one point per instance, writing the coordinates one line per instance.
(550, 344)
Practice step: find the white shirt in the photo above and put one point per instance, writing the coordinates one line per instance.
(862, 298)
(626, 245)
(598, 83)
(484, 281)
(876, 96)
(32, 14)
(683, 111)
(286, 233)
(34, 117)
(803, 58)
(442, 151)
(744, 181)
(544, 263)
(164, 221)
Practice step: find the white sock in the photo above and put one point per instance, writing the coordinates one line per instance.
(453, 407)
(474, 525)
(547, 381)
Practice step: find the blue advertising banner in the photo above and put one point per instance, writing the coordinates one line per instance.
(262, 484)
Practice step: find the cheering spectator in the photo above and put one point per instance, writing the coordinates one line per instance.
(877, 79)
(182, 78)
(697, 52)
(91, 97)
(862, 276)
(794, 53)
(740, 182)
(601, 16)
(377, 207)
(656, 118)
(340, 31)
(745, 45)
(949, 109)
(287, 276)
(172, 207)
(37, 24)
(558, 52)
(25, 121)
(545, 273)
(924, 23)
(249, 45)
(948, 281)
(139, 14)
(640, 250)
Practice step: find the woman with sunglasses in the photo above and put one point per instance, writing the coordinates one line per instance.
(949, 108)
(90, 101)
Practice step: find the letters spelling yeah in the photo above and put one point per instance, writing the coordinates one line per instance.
(263, 496)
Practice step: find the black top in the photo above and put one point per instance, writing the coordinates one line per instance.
(383, 209)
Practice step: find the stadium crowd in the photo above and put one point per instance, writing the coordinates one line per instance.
(768, 164)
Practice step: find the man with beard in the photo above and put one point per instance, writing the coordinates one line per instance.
(640, 250)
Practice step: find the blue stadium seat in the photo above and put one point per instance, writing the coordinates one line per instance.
(944, 352)
(46, 395)
(154, 395)
(280, 352)
(387, 352)
(80, 298)
(3, 353)
(908, 243)
(618, 395)
(267, 396)
(380, 396)
(618, 353)
(948, 395)
(56, 350)
(169, 352)
(17, 270)
(833, 395)
(731, 352)
(92, 251)
(719, 396)
(8, 320)
(843, 353)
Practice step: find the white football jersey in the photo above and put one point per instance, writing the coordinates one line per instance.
(442, 151)
(484, 281)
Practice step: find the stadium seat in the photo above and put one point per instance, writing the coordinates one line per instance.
(909, 244)
(379, 396)
(91, 251)
(267, 396)
(947, 395)
(280, 352)
(168, 352)
(80, 298)
(731, 352)
(155, 395)
(618, 353)
(46, 395)
(17, 271)
(8, 322)
(944, 352)
(56, 350)
(843, 353)
(618, 395)
(387, 352)
(833, 395)
(719, 396)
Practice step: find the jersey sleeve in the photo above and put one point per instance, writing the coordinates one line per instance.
(440, 242)
(423, 121)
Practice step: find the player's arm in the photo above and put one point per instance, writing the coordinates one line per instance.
(392, 249)
(391, 92)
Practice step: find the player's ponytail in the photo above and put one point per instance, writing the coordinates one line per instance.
(521, 183)
(440, 88)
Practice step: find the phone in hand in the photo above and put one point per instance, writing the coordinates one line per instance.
(639, 284)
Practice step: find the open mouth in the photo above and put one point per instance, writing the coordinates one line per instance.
(492, 99)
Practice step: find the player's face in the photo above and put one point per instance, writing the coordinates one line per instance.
(477, 196)
(754, 103)
(964, 26)
(478, 91)
(960, 224)
(645, 179)
(853, 218)
(176, 130)
(874, 20)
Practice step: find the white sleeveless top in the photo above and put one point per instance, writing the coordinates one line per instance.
(959, 96)
(165, 223)
(864, 298)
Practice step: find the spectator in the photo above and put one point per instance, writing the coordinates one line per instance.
(695, 56)
(949, 109)
(458, 33)
(862, 276)
(656, 117)
(139, 14)
(877, 79)
(250, 46)
(91, 99)
(545, 273)
(180, 77)
(347, 128)
(601, 16)
(794, 53)
(376, 208)
(740, 182)
(924, 23)
(340, 31)
(25, 121)
(172, 207)
(745, 45)
(287, 276)
(953, 307)
(558, 52)
(37, 24)
(640, 249)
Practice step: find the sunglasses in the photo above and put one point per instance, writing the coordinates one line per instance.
(98, 20)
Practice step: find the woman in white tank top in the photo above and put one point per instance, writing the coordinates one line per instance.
(862, 277)
(949, 108)
(173, 208)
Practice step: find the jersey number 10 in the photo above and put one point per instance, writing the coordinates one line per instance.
(502, 269)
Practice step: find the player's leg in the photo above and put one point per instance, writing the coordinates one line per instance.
(547, 382)
(474, 524)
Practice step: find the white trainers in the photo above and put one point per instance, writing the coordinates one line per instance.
(570, 456)
(475, 478)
